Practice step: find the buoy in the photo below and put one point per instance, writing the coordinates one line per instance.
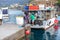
(56, 27)
(27, 32)
(56, 21)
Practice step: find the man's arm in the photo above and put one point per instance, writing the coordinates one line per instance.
(50, 26)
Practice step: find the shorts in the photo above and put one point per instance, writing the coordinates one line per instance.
(32, 21)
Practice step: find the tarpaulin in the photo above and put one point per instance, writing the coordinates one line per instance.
(33, 8)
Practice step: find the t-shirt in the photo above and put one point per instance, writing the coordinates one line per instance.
(48, 24)
(32, 17)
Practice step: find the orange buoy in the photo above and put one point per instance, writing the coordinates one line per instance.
(27, 32)
(56, 27)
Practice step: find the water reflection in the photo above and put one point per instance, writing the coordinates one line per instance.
(58, 34)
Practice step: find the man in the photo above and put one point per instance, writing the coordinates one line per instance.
(49, 29)
(32, 17)
(26, 18)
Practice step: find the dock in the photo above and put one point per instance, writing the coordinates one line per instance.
(11, 32)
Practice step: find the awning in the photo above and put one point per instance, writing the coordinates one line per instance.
(33, 8)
